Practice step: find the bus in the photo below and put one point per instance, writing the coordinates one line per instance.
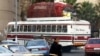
(70, 33)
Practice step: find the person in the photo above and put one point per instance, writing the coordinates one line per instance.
(56, 48)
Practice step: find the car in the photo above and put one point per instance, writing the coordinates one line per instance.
(38, 46)
(8, 42)
(18, 49)
(92, 46)
(5, 52)
(15, 47)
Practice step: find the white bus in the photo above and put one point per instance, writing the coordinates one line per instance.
(70, 33)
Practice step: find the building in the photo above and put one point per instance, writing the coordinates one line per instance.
(6, 13)
(92, 1)
(79, 1)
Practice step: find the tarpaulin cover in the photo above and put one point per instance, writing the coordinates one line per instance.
(46, 9)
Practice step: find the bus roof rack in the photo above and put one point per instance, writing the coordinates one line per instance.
(48, 18)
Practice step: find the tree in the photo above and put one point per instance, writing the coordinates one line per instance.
(34, 1)
(72, 2)
(23, 8)
(86, 11)
(97, 8)
(72, 8)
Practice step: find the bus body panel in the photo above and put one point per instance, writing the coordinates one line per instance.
(70, 32)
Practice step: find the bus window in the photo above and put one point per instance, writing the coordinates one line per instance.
(21, 28)
(64, 28)
(18, 28)
(38, 28)
(29, 28)
(48, 28)
(53, 28)
(25, 28)
(43, 28)
(9, 28)
(33, 28)
(58, 28)
(12, 28)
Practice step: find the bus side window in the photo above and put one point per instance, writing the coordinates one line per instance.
(18, 28)
(25, 28)
(58, 28)
(38, 28)
(12, 28)
(53, 28)
(48, 28)
(33, 28)
(29, 28)
(64, 28)
(9, 28)
(21, 28)
(43, 28)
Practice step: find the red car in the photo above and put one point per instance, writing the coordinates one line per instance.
(92, 46)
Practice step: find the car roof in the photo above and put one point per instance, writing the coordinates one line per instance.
(7, 50)
(94, 38)
(36, 39)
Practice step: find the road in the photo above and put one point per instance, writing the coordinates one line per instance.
(75, 52)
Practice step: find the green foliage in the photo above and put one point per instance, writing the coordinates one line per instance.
(86, 11)
(97, 8)
(33, 1)
(70, 1)
(90, 12)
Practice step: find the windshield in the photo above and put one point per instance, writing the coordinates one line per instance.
(94, 41)
(18, 48)
(4, 50)
(8, 43)
(36, 43)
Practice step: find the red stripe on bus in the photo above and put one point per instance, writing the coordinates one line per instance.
(60, 37)
(20, 36)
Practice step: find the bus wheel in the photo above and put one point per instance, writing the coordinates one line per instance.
(66, 48)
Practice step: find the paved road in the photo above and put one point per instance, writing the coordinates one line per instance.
(77, 52)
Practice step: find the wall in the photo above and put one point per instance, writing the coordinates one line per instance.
(7, 13)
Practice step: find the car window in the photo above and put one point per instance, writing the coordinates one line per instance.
(4, 50)
(36, 43)
(18, 49)
(8, 43)
(94, 41)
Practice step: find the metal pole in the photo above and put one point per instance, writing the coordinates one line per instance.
(74, 24)
(99, 33)
(16, 19)
(16, 14)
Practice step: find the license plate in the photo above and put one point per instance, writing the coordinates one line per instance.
(34, 50)
(96, 48)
